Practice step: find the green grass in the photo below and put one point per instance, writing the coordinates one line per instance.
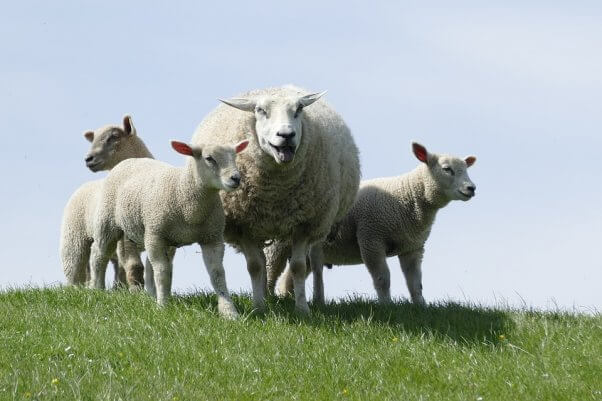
(64, 344)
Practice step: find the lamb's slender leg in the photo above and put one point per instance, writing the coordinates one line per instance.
(75, 256)
(256, 267)
(119, 278)
(276, 258)
(411, 265)
(285, 285)
(213, 256)
(99, 257)
(158, 254)
(130, 263)
(316, 257)
(375, 258)
(149, 279)
(298, 268)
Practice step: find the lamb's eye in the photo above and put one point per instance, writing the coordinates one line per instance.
(210, 160)
(261, 111)
(112, 138)
(298, 111)
(448, 170)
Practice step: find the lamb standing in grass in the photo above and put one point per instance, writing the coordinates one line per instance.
(160, 207)
(301, 176)
(392, 216)
(111, 144)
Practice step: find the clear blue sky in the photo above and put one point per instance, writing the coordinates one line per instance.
(519, 86)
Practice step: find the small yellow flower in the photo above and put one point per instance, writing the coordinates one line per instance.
(502, 337)
(345, 391)
(27, 394)
(120, 354)
(54, 381)
(395, 339)
(175, 398)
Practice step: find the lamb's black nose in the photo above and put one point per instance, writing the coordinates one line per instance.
(286, 135)
(89, 159)
(471, 188)
(235, 178)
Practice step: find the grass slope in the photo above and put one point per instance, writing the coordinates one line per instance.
(63, 344)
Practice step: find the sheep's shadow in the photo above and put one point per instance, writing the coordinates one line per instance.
(450, 320)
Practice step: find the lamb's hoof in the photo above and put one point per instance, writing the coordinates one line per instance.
(302, 309)
(227, 310)
(419, 301)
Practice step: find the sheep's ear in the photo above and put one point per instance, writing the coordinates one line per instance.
(309, 99)
(240, 103)
(89, 135)
(470, 160)
(420, 152)
(128, 125)
(182, 148)
(240, 146)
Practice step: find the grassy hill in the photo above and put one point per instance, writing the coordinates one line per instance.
(63, 344)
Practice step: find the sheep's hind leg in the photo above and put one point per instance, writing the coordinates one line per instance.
(256, 267)
(411, 265)
(130, 263)
(316, 257)
(375, 258)
(99, 258)
(276, 257)
(159, 256)
(149, 279)
(213, 256)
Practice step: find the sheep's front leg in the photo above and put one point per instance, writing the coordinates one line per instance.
(375, 258)
(276, 258)
(256, 267)
(316, 257)
(411, 265)
(298, 270)
(160, 255)
(213, 256)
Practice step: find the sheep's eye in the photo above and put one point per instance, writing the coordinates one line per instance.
(210, 160)
(448, 170)
(113, 137)
(261, 111)
(298, 111)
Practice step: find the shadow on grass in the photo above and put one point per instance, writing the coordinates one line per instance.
(454, 321)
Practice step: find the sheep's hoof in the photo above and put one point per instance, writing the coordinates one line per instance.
(227, 310)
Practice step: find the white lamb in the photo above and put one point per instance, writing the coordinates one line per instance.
(391, 216)
(159, 207)
(301, 176)
(110, 145)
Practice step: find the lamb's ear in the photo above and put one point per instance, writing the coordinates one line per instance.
(182, 148)
(240, 103)
(470, 160)
(420, 152)
(89, 135)
(240, 146)
(309, 99)
(128, 125)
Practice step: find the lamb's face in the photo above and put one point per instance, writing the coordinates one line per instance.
(215, 164)
(106, 145)
(278, 123)
(451, 175)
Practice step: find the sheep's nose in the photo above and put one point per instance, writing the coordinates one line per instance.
(89, 159)
(235, 178)
(286, 135)
(471, 188)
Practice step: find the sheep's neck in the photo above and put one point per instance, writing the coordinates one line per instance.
(424, 192)
(132, 148)
(193, 192)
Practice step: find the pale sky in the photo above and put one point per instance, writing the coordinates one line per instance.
(519, 86)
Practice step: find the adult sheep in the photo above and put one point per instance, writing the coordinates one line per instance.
(300, 176)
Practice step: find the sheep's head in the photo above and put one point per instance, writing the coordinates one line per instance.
(450, 173)
(278, 122)
(215, 164)
(107, 142)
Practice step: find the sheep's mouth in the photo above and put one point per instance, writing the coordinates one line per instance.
(230, 186)
(466, 195)
(285, 154)
(94, 166)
